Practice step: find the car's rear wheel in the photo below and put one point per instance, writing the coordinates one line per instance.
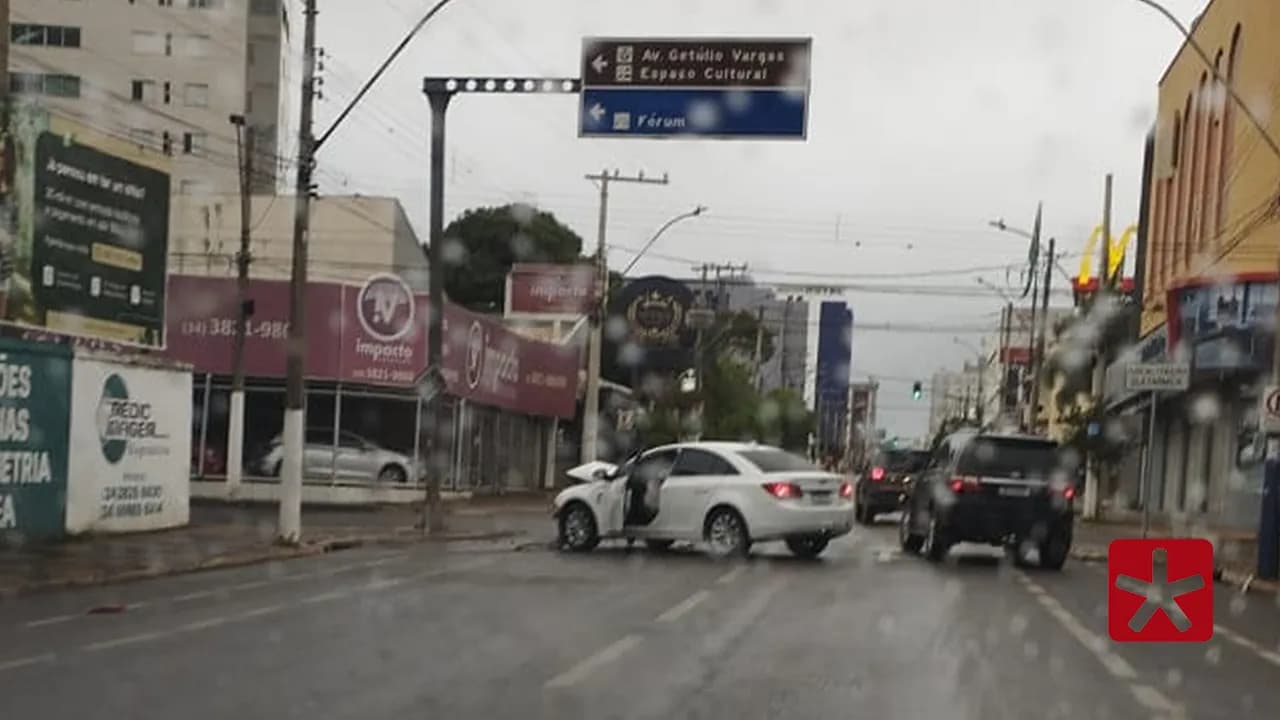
(578, 531)
(726, 533)
(936, 544)
(392, 475)
(658, 545)
(807, 546)
(1055, 549)
(909, 540)
(864, 514)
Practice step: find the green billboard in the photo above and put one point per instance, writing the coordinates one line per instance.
(83, 231)
(35, 401)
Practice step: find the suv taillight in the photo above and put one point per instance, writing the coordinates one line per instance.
(877, 474)
(846, 490)
(783, 490)
(964, 483)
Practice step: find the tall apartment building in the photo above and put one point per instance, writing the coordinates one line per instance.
(168, 74)
(787, 318)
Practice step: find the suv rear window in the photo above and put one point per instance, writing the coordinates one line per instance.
(1008, 457)
(772, 461)
(903, 460)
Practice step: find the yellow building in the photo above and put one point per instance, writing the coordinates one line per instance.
(1215, 184)
(1212, 241)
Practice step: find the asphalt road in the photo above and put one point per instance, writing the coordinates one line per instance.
(482, 631)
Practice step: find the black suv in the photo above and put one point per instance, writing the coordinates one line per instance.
(1005, 490)
(884, 482)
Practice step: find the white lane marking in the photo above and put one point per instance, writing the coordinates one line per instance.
(51, 620)
(1114, 664)
(1153, 699)
(192, 596)
(126, 640)
(732, 575)
(250, 585)
(24, 662)
(677, 611)
(203, 624)
(578, 672)
(325, 597)
(260, 611)
(384, 583)
(1242, 641)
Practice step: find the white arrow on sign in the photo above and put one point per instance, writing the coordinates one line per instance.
(596, 112)
(599, 63)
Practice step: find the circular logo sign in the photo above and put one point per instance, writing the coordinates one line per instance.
(114, 395)
(385, 307)
(475, 354)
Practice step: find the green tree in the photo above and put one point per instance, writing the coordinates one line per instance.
(785, 421)
(483, 243)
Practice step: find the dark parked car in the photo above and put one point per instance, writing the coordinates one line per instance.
(1006, 490)
(884, 482)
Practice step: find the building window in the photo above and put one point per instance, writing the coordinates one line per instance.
(203, 4)
(264, 7)
(168, 95)
(143, 137)
(53, 84)
(1228, 128)
(168, 43)
(195, 45)
(142, 91)
(47, 35)
(165, 3)
(195, 95)
(147, 43)
(166, 143)
(193, 143)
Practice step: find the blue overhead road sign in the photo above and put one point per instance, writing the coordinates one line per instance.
(697, 88)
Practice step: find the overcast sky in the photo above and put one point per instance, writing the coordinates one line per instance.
(927, 119)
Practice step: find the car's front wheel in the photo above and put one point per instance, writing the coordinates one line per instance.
(864, 514)
(578, 531)
(392, 475)
(726, 533)
(807, 546)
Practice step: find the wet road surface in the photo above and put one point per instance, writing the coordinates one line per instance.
(482, 631)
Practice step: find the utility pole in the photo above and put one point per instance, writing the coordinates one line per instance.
(1101, 297)
(235, 418)
(290, 522)
(1037, 352)
(591, 403)
(1028, 418)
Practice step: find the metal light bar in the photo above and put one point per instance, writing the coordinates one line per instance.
(501, 85)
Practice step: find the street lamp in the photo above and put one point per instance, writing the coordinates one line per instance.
(683, 216)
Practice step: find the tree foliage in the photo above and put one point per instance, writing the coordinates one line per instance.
(483, 243)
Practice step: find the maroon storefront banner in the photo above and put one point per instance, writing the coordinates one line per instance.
(538, 289)
(375, 334)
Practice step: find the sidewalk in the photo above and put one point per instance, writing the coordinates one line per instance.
(1234, 550)
(222, 535)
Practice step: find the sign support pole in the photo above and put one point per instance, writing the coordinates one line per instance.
(1147, 463)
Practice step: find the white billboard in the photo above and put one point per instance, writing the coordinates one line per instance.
(130, 451)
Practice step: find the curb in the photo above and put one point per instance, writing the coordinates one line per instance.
(252, 557)
(1236, 579)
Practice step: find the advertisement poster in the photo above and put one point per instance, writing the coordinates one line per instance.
(34, 400)
(83, 232)
(130, 447)
(552, 290)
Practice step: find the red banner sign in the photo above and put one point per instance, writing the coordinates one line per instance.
(551, 289)
(376, 334)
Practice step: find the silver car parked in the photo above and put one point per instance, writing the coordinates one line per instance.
(354, 459)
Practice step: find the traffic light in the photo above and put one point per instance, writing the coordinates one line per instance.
(917, 391)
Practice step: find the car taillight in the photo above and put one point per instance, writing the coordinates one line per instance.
(783, 490)
(877, 474)
(1069, 492)
(846, 490)
(964, 483)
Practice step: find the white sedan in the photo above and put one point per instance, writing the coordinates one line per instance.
(730, 495)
